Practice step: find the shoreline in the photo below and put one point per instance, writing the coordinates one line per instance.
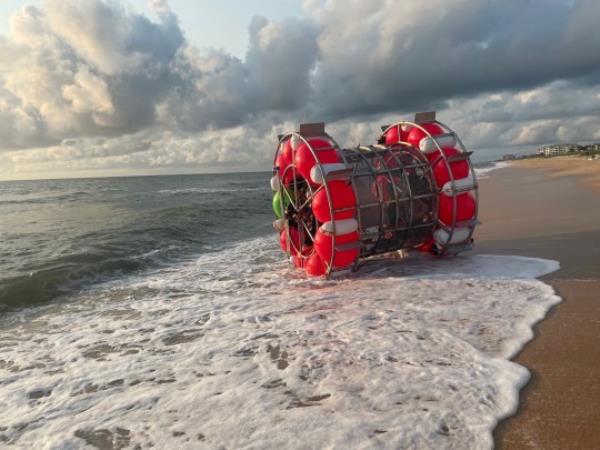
(534, 210)
(558, 407)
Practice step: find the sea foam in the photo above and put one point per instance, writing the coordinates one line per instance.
(235, 350)
(483, 172)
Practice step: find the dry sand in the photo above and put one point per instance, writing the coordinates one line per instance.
(582, 168)
(551, 212)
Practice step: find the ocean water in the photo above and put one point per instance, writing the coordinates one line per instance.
(62, 235)
(210, 340)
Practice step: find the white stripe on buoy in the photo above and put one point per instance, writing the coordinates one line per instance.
(295, 142)
(459, 235)
(341, 227)
(275, 183)
(427, 144)
(463, 183)
(279, 224)
(315, 173)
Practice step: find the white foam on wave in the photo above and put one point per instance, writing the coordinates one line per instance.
(236, 351)
(483, 172)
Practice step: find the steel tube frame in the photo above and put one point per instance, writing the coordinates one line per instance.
(353, 160)
(447, 161)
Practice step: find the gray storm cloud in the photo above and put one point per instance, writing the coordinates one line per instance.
(94, 82)
(384, 55)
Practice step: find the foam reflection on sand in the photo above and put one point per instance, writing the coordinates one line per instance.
(235, 351)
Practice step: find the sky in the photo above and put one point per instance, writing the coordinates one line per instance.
(109, 87)
(198, 18)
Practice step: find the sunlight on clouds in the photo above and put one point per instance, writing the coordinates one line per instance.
(93, 85)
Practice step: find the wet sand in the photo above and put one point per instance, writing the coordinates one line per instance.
(529, 210)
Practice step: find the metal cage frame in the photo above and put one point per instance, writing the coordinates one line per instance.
(352, 174)
(465, 245)
(306, 132)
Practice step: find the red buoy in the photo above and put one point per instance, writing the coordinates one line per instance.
(287, 176)
(392, 136)
(294, 245)
(465, 208)
(315, 266)
(342, 258)
(297, 261)
(460, 169)
(305, 160)
(416, 134)
(396, 133)
(286, 152)
(426, 246)
(414, 189)
(342, 197)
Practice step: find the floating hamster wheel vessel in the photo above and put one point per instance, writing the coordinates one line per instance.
(414, 189)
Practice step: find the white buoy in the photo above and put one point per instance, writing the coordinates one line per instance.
(317, 177)
(341, 226)
(427, 144)
(275, 183)
(463, 183)
(459, 235)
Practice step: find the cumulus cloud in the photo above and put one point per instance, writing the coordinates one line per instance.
(384, 55)
(280, 58)
(150, 151)
(93, 67)
(94, 84)
(84, 68)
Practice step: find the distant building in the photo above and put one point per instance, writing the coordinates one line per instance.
(593, 147)
(559, 149)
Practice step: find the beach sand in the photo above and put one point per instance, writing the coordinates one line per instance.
(551, 209)
(587, 171)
